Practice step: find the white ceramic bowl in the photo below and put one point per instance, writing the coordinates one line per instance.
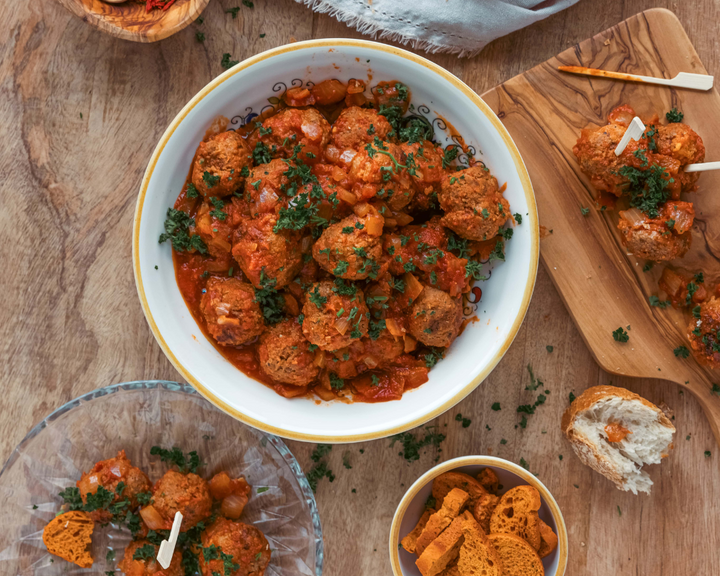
(241, 93)
(412, 506)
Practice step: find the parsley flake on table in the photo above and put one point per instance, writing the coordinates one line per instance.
(715, 390)
(234, 11)
(549, 349)
(708, 453)
(674, 116)
(200, 36)
(584, 211)
(412, 446)
(620, 335)
(496, 407)
(571, 396)
(681, 352)
(226, 62)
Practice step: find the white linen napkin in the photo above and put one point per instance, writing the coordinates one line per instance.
(460, 27)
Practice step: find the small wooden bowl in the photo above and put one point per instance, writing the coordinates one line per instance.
(130, 21)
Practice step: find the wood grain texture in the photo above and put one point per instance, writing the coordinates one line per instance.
(70, 320)
(602, 286)
(130, 20)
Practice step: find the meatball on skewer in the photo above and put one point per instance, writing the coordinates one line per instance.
(220, 164)
(659, 239)
(232, 314)
(474, 206)
(334, 315)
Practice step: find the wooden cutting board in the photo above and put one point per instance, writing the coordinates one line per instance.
(602, 286)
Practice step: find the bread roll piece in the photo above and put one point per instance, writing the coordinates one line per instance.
(69, 536)
(489, 480)
(616, 432)
(517, 513)
(477, 556)
(444, 483)
(517, 556)
(483, 509)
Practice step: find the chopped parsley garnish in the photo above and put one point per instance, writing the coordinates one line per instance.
(472, 270)
(192, 192)
(226, 62)
(176, 227)
(336, 382)
(191, 463)
(261, 153)
(448, 156)
(317, 298)
(433, 357)
(411, 446)
(681, 352)
(647, 188)
(209, 179)
(655, 301)
(271, 302)
(341, 268)
(584, 211)
(145, 552)
(674, 116)
(620, 335)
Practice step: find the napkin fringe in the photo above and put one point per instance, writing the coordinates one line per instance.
(375, 30)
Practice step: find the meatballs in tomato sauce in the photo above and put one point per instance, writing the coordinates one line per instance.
(220, 163)
(266, 255)
(356, 126)
(335, 314)
(292, 127)
(109, 474)
(234, 549)
(346, 249)
(474, 206)
(704, 333)
(136, 563)
(184, 493)
(379, 170)
(232, 314)
(436, 317)
(659, 239)
(285, 355)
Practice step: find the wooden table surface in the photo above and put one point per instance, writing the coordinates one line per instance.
(80, 113)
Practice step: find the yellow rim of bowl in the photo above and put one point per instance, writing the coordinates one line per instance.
(522, 174)
(477, 461)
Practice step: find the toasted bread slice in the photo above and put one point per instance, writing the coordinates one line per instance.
(443, 550)
(489, 480)
(453, 504)
(69, 536)
(483, 509)
(411, 539)
(517, 556)
(616, 432)
(444, 483)
(517, 513)
(477, 556)
(450, 571)
(549, 540)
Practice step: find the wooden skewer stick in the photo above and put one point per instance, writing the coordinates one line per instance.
(634, 131)
(167, 547)
(702, 167)
(682, 80)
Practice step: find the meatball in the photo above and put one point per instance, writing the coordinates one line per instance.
(436, 317)
(231, 312)
(285, 356)
(384, 349)
(380, 170)
(474, 206)
(357, 126)
(291, 127)
(659, 239)
(422, 250)
(246, 545)
(108, 474)
(219, 163)
(266, 187)
(346, 250)
(146, 565)
(703, 334)
(684, 145)
(335, 315)
(428, 173)
(184, 493)
(264, 256)
(215, 221)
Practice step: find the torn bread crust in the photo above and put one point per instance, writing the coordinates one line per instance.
(648, 438)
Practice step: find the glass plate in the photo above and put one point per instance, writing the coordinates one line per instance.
(135, 416)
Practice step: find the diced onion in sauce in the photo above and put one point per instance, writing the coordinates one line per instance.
(232, 506)
(319, 359)
(374, 226)
(291, 305)
(413, 287)
(393, 327)
(403, 219)
(410, 343)
(370, 361)
(220, 485)
(634, 216)
(342, 325)
(306, 244)
(390, 222)
(672, 282)
(346, 196)
(152, 518)
(228, 321)
(361, 209)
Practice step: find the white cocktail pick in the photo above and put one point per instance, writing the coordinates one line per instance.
(167, 547)
(634, 131)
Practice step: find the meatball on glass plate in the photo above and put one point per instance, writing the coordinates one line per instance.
(123, 456)
(337, 251)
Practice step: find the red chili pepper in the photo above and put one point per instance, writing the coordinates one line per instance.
(164, 4)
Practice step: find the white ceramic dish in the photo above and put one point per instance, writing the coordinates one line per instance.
(239, 94)
(412, 505)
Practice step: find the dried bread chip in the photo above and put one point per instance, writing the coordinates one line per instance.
(443, 550)
(477, 555)
(443, 484)
(69, 536)
(517, 556)
(452, 505)
(549, 540)
(517, 513)
(489, 480)
(410, 540)
(483, 509)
